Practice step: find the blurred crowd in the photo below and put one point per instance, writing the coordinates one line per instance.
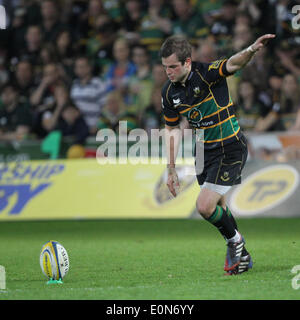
(78, 66)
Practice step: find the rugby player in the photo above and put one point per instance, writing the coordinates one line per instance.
(199, 92)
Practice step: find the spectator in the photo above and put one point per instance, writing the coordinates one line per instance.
(95, 10)
(38, 50)
(250, 108)
(224, 22)
(158, 75)
(131, 22)
(46, 117)
(72, 124)
(24, 79)
(152, 116)
(121, 69)
(289, 59)
(140, 84)
(51, 24)
(15, 116)
(48, 54)
(206, 52)
(43, 93)
(4, 72)
(33, 44)
(271, 121)
(251, 8)
(155, 26)
(209, 9)
(115, 9)
(289, 101)
(99, 48)
(242, 37)
(33, 12)
(17, 31)
(114, 111)
(284, 111)
(65, 51)
(88, 93)
(243, 18)
(77, 18)
(188, 21)
(258, 70)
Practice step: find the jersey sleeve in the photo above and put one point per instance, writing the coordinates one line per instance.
(171, 115)
(215, 71)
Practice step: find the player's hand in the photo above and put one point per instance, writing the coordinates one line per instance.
(173, 182)
(261, 41)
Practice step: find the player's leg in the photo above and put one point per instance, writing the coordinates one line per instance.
(208, 205)
(246, 260)
(223, 204)
(220, 173)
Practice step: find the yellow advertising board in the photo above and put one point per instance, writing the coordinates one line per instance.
(265, 189)
(64, 189)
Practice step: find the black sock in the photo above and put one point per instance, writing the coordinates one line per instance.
(220, 219)
(231, 218)
(229, 214)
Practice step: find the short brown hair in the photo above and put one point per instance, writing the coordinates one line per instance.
(178, 45)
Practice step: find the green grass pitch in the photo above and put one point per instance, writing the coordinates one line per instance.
(150, 259)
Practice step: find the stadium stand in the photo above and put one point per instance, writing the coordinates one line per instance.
(44, 38)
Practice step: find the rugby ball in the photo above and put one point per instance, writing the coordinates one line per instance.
(54, 260)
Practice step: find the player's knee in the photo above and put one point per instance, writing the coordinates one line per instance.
(205, 208)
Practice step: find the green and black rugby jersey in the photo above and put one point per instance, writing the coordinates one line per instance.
(205, 101)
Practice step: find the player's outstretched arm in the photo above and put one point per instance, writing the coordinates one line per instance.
(240, 59)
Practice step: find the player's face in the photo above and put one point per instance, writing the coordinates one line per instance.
(175, 70)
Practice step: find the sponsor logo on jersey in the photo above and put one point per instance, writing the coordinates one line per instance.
(207, 123)
(194, 115)
(197, 92)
